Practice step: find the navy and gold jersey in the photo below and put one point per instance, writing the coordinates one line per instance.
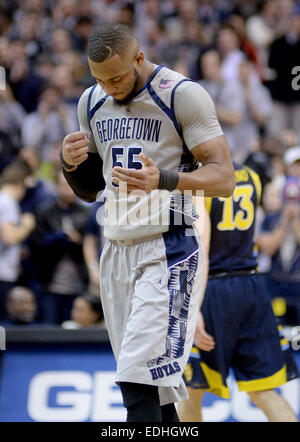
(233, 222)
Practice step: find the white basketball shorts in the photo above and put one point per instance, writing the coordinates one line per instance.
(150, 292)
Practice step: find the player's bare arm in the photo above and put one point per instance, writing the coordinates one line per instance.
(216, 177)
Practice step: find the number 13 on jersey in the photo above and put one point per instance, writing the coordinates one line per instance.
(238, 210)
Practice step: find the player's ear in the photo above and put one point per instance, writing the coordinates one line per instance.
(139, 58)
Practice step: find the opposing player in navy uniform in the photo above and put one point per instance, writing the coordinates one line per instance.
(236, 327)
(144, 129)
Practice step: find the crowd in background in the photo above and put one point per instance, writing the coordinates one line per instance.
(245, 53)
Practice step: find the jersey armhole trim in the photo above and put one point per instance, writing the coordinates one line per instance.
(156, 71)
(97, 107)
(174, 90)
(165, 108)
(89, 104)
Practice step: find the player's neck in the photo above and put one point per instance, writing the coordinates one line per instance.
(146, 72)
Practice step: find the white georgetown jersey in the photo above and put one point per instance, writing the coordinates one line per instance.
(167, 118)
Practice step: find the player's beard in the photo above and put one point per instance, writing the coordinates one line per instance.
(131, 95)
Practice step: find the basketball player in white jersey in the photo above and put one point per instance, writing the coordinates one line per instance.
(146, 128)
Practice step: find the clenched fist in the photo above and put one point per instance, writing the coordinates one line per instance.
(75, 148)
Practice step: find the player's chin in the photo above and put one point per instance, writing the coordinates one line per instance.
(120, 97)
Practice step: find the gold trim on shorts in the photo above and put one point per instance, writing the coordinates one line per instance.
(215, 382)
(268, 383)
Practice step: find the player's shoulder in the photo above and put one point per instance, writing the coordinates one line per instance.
(168, 79)
(88, 91)
(92, 93)
(186, 89)
(166, 73)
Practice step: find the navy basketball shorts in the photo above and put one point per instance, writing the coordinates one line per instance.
(238, 314)
(150, 296)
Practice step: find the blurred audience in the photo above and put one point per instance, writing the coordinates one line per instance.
(92, 246)
(58, 239)
(227, 96)
(261, 28)
(280, 238)
(244, 53)
(284, 57)
(229, 43)
(86, 312)
(256, 111)
(49, 124)
(14, 227)
(21, 307)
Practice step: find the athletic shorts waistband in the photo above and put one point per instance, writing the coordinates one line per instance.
(131, 242)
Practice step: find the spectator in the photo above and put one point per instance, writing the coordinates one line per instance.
(38, 192)
(280, 239)
(257, 108)
(60, 44)
(81, 32)
(65, 82)
(193, 46)
(26, 84)
(92, 246)
(239, 25)
(288, 138)
(106, 10)
(259, 161)
(86, 312)
(212, 14)
(261, 28)
(275, 151)
(21, 307)
(79, 68)
(227, 96)
(8, 149)
(38, 189)
(14, 227)
(49, 124)
(285, 9)
(157, 41)
(126, 15)
(11, 116)
(228, 43)
(5, 56)
(284, 56)
(58, 239)
(27, 29)
(45, 67)
(64, 13)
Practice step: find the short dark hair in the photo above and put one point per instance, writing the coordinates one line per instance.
(15, 173)
(94, 303)
(107, 40)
